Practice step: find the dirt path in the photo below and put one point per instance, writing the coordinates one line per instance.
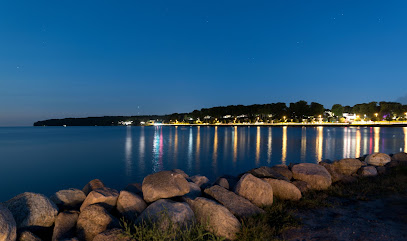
(378, 219)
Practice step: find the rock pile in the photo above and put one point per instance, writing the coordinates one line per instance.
(172, 197)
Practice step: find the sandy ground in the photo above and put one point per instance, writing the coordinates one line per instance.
(377, 219)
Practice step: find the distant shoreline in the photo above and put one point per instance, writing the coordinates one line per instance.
(300, 124)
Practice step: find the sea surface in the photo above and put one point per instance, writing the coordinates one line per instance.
(48, 159)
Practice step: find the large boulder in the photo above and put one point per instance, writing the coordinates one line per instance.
(267, 172)
(8, 227)
(284, 190)
(315, 175)
(335, 175)
(199, 180)
(32, 210)
(223, 182)
(164, 184)
(93, 220)
(378, 159)
(283, 170)
(254, 189)
(130, 205)
(236, 204)
(165, 212)
(103, 195)
(368, 171)
(92, 185)
(179, 171)
(301, 185)
(115, 234)
(65, 224)
(347, 166)
(68, 199)
(215, 218)
(399, 157)
(194, 191)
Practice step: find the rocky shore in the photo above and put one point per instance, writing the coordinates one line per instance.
(172, 199)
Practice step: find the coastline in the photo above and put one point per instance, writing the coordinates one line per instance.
(390, 124)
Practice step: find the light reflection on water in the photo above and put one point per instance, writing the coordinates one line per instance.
(48, 159)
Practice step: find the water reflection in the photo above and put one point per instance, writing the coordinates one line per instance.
(235, 144)
(376, 138)
(176, 144)
(358, 140)
(128, 151)
(319, 142)
(215, 146)
(198, 142)
(284, 146)
(269, 146)
(190, 146)
(303, 142)
(158, 149)
(258, 145)
(142, 148)
(405, 139)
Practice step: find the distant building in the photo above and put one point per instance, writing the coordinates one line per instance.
(349, 117)
(241, 116)
(227, 116)
(125, 123)
(328, 113)
(207, 117)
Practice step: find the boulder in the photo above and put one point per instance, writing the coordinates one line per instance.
(115, 234)
(68, 199)
(378, 159)
(283, 170)
(134, 188)
(302, 186)
(93, 220)
(32, 210)
(236, 204)
(164, 184)
(179, 171)
(335, 175)
(347, 166)
(315, 175)
(254, 189)
(368, 171)
(223, 182)
(284, 190)
(92, 185)
(101, 195)
(8, 227)
(399, 157)
(267, 172)
(194, 191)
(65, 224)
(215, 218)
(130, 205)
(28, 236)
(199, 180)
(363, 163)
(167, 213)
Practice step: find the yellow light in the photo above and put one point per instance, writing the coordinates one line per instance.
(376, 114)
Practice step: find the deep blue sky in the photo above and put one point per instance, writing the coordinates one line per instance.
(90, 58)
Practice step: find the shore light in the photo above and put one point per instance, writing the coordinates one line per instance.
(376, 114)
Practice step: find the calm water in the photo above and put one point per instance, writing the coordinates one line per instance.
(47, 159)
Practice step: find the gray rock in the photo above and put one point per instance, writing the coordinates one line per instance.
(367, 171)
(194, 191)
(399, 157)
(302, 186)
(215, 218)
(65, 224)
(8, 227)
(92, 185)
(267, 172)
(112, 235)
(164, 184)
(167, 213)
(223, 182)
(283, 170)
(179, 171)
(335, 175)
(103, 195)
(130, 205)
(347, 166)
(32, 210)
(315, 175)
(284, 190)
(378, 159)
(259, 192)
(236, 204)
(93, 220)
(28, 236)
(68, 199)
(199, 180)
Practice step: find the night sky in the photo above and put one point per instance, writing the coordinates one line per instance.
(91, 58)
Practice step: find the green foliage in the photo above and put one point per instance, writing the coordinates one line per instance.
(337, 109)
